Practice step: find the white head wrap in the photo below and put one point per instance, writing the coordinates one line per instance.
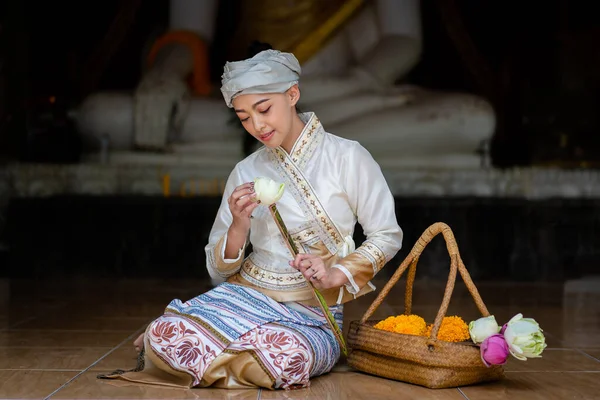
(270, 71)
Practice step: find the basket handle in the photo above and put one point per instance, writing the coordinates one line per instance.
(411, 260)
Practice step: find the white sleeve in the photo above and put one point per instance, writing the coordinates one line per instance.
(373, 203)
(218, 266)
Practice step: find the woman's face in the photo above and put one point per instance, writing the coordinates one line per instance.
(269, 117)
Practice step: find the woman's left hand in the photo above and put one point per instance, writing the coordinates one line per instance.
(314, 270)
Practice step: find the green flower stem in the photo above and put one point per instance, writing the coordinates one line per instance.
(283, 229)
(292, 247)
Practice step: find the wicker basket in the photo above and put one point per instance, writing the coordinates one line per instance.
(415, 359)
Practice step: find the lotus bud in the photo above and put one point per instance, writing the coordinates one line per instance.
(494, 350)
(483, 328)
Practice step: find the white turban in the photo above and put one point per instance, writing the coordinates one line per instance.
(269, 71)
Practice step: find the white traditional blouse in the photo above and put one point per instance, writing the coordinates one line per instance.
(331, 183)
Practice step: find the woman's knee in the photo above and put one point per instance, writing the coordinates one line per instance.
(165, 330)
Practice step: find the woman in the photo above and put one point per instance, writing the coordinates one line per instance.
(262, 327)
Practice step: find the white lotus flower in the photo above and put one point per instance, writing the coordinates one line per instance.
(483, 328)
(267, 190)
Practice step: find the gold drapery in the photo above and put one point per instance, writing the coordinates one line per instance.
(302, 27)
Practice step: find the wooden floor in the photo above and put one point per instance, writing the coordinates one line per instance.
(56, 337)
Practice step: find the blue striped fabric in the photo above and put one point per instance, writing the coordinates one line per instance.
(232, 310)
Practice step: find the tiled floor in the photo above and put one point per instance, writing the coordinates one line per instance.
(56, 337)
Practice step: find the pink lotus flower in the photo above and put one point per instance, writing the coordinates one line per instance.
(494, 350)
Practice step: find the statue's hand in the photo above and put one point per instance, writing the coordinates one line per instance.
(157, 103)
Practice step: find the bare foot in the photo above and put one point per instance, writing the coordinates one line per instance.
(139, 343)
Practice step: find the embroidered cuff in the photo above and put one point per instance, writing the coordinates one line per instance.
(374, 254)
(229, 260)
(225, 267)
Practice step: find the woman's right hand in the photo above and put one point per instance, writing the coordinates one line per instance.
(242, 204)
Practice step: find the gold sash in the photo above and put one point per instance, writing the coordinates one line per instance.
(302, 27)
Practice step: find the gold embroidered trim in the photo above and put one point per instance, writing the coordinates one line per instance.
(212, 262)
(306, 144)
(305, 236)
(301, 188)
(216, 262)
(262, 277)
(374, 254)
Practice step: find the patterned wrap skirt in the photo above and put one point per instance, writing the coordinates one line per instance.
(236, 337)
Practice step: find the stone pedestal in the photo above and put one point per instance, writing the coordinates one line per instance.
(181, 175)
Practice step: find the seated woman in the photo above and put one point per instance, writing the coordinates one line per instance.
(262, 327)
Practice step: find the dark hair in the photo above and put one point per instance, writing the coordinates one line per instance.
(256, 47)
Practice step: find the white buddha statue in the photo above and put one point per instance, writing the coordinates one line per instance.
(349, 83)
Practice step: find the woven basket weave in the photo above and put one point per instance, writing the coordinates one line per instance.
(421, 360)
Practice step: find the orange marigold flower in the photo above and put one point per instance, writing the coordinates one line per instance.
(453, 329)
(407, 324)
